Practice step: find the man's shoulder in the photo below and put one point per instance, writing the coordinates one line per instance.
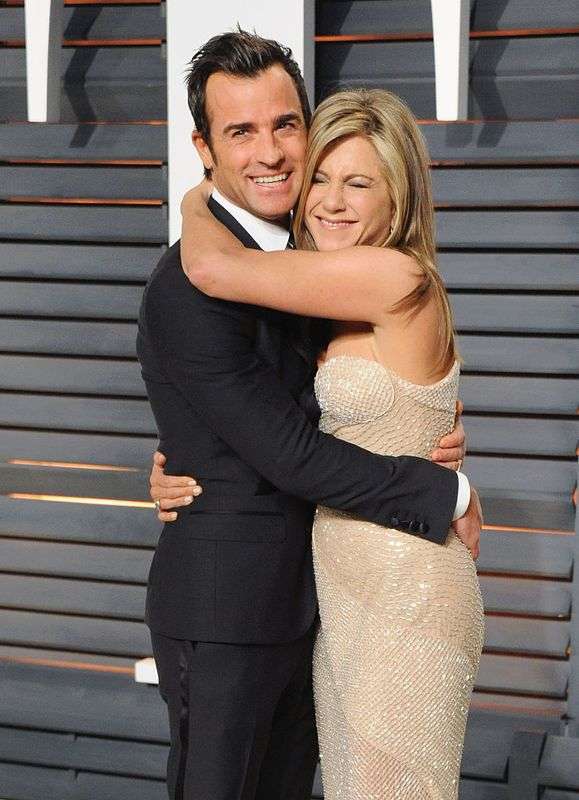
(168, 288)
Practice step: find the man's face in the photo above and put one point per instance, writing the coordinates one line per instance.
(258, 141)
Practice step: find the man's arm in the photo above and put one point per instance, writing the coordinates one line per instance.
(205, 347)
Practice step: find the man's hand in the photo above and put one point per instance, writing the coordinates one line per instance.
(452, 447)
(468, 527)
(171, 491)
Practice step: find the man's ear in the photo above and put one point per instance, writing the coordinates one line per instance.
(203, 149)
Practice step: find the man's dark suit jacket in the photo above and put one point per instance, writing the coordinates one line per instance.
(225, 382)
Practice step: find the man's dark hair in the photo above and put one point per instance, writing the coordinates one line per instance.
(241, 54)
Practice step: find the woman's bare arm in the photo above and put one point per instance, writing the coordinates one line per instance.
(356, 283)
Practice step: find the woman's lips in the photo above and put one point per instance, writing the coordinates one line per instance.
(334, 225)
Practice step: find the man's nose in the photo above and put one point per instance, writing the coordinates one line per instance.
(269, 153)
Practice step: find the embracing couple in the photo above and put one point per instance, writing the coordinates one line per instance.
(321, 584)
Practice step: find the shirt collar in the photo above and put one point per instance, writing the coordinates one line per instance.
(267, 235)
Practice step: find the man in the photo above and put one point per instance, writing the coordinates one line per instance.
(231, 601)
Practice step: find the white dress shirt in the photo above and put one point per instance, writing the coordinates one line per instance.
(270, 237)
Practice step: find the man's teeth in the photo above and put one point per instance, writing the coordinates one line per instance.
(272, 178)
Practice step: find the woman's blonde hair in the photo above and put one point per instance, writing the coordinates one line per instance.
(387, 122)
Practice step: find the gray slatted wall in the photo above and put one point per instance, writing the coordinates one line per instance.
(506, 188)
(82, 223)
(79, 236)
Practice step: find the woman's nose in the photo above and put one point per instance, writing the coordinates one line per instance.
(333, 199)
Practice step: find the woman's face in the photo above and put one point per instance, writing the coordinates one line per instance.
(348, 202)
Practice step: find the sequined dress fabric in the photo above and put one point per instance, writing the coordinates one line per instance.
(402, 625)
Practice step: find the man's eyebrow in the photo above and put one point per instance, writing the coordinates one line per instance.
(291, 116)
(235, 126)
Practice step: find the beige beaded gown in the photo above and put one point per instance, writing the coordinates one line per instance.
(401, 618)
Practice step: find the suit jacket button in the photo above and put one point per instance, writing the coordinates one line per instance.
(424, 527)
(414, 526)
(394, 521)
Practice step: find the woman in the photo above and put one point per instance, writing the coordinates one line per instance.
(401, 618)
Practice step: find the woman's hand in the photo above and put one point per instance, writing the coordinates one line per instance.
(196, 196)
(171, 491)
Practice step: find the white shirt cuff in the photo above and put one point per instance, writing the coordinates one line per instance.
(463, 497)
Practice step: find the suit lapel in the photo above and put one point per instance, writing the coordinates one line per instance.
(269, 337)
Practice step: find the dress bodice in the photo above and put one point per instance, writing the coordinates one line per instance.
(368, 404)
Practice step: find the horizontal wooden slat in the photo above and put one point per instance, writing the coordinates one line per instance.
(81, 701)
(399, 15)
(494, 354)
(123, 451)
(88, 598)
(75, 413)
(504, 141)
(523, 675)
(559, 762)
(486, 434)
(74, 338)
(526, 637)
(75, 560)
(529, 313)
(107, 101)
(71, 375)
(83, 634)
(138, 65)
(495, 186)
(31, 298)
(489, 736)
(100, 182)
(490, 97)
(140, 21)
(523, 596)
(508, 229)
(75, 483)
(89, 141)
(533, 354)
(43, 783)
(472, 312)
(500, 271)
(96, 224)
(523, 475)
(519, 394)
(100, 376)
(557, 437)
(99, 262)
(500, 77)
(102, 525)
(526, 553)
(482, 790)
(83, 752)
(530, 509)
(375, 61)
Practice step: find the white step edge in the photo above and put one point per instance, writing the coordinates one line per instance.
(146, 671)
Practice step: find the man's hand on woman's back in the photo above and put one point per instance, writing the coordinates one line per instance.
(171, 491)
